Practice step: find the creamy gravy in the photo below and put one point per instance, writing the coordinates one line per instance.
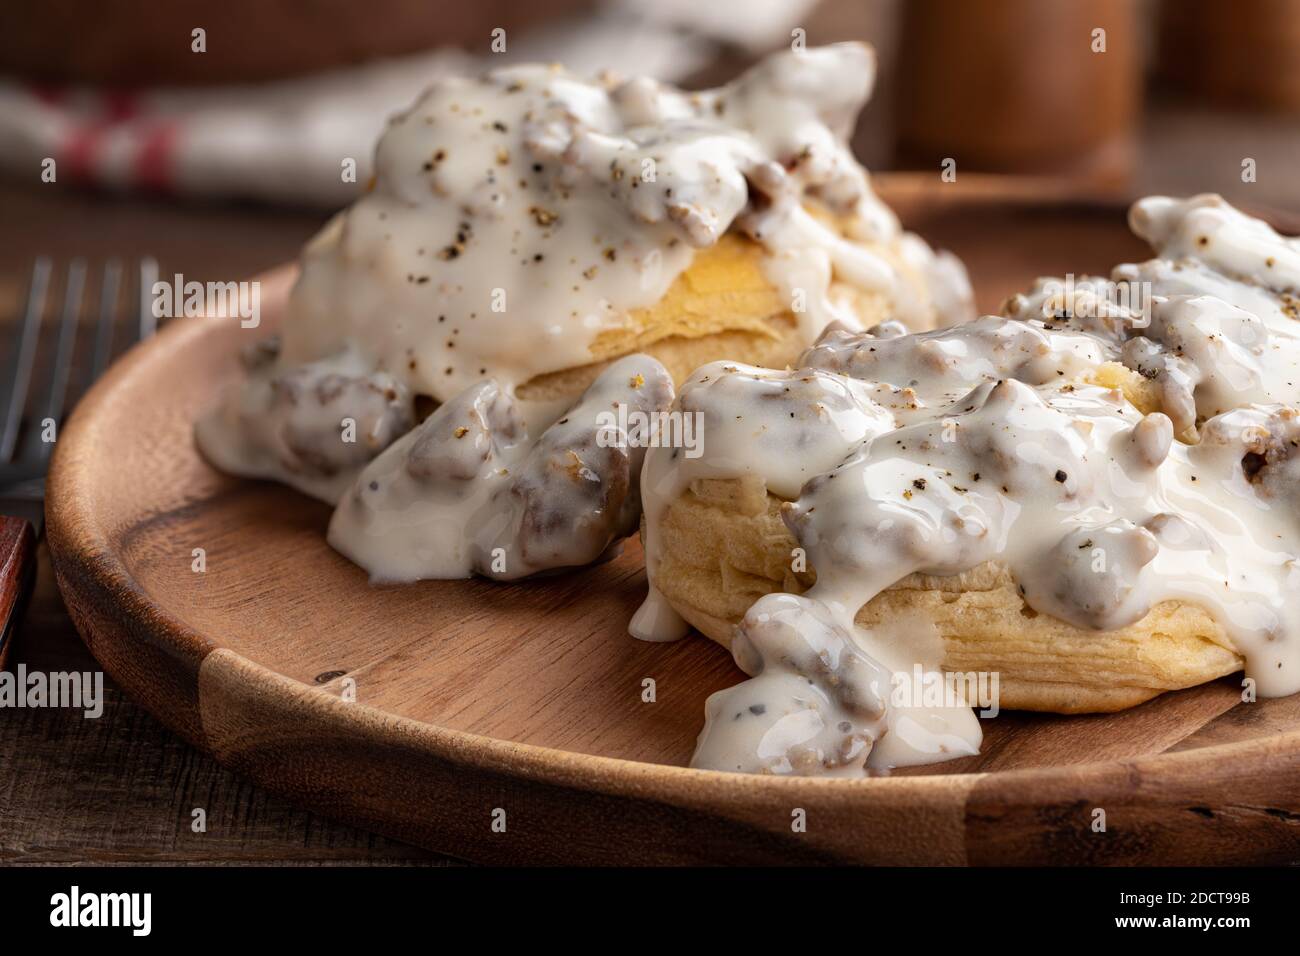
(517, 216)
(288, 422)
(937, 452)
(470, 491)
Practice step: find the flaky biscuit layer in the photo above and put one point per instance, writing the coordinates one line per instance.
(721, 307)
(722, 546)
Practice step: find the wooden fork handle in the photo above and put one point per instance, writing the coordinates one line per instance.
(17, 575)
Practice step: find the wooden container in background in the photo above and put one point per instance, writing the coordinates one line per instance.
(1016, 87)
(1244, 53)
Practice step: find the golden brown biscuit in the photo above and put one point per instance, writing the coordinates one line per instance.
(723, 546)
(721, 306)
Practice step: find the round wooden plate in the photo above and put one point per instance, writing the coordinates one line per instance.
(474, 697)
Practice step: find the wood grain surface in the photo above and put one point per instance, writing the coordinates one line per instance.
(474, 697)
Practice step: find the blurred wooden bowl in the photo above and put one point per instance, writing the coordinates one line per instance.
(1245, 53)
(1015, 87)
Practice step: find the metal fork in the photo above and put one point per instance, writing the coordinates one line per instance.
(38, 388)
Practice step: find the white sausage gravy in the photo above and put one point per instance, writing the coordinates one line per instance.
(938, 451)
(514, 218)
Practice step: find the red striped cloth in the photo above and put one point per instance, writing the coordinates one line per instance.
(287, 141)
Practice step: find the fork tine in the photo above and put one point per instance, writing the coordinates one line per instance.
(24, 356)
(61, 369)
(148, 323)
(107, 316)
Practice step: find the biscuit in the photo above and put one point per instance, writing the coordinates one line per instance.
(723, 545)
(721, 305)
